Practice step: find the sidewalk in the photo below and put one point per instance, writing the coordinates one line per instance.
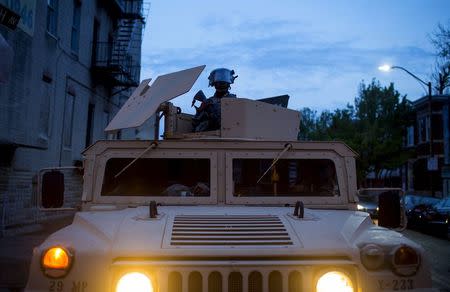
(16, 252)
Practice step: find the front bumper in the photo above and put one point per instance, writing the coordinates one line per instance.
(220, 275)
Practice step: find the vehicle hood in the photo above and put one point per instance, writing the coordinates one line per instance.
(130, 233)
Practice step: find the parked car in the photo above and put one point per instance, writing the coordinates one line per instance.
(430, 216)
(443, 206)
(412, 200)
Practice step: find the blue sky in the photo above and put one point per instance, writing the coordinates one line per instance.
(316, 51)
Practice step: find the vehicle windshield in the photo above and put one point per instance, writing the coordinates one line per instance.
(169, 177)
(288, 177)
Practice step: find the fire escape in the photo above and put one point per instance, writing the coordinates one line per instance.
(116, 63)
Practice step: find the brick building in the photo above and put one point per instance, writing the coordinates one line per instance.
(427, 172)
(75, 63)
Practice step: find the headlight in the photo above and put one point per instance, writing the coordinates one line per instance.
(56, 261)
(405, 261)
(334, 281)
(360, 207)
(372, 256)
(136, 282)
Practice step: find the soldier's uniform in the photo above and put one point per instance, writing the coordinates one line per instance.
(207, 117)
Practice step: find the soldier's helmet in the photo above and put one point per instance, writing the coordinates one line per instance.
(221, 75)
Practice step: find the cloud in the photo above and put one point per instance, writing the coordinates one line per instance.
(279, 56)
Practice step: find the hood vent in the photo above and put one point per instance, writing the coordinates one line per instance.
(229, 230)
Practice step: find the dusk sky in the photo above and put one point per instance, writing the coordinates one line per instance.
(316, 51)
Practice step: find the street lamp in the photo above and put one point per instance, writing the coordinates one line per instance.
(387, 68)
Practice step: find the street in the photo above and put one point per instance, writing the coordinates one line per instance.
(438, 251)
(16, 251)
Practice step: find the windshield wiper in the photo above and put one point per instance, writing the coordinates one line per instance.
(152, 146)
(287, 146)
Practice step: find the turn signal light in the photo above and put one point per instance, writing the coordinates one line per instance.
(372, 256)
(56, 261)
(405, 261)
(56, 258)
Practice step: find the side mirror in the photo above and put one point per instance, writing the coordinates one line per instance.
(389, 214)
(59, 188)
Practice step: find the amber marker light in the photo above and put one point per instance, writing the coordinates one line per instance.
(56, 261)
(405, 261)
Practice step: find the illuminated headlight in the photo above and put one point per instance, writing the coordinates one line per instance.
(334, 281)
(136, 282)
(372, 256)
(360, 207)
(56, 261)
(405, 261)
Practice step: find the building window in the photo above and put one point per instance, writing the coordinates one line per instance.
(95, 39)
(423, 129)
(410, 136)
(44, 115)
(68, 121)
(105, 122)
(75, 39)
(52, 9)
(438, 127)
(90, 125)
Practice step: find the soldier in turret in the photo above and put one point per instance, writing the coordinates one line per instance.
(207, 116)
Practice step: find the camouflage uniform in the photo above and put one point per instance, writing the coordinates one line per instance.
(207, 117)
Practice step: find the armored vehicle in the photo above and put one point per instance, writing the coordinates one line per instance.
(245, 207)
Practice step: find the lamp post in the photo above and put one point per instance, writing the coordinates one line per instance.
(430, 110)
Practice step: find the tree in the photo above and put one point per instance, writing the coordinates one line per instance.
(382, 116)
(314, 127)
(307, 124)
(441, 42)
(343, 126)
(374, 127)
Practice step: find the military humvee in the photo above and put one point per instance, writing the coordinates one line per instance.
(243, 208)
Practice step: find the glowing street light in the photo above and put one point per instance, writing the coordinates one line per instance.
(387, 68)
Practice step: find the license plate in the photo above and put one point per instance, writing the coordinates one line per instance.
(396, 284)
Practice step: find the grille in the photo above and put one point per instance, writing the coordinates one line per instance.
(229, 230)
(235, 282)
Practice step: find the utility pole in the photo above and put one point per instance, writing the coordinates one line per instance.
(432, 162)
(446, 168)
(430, 128)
